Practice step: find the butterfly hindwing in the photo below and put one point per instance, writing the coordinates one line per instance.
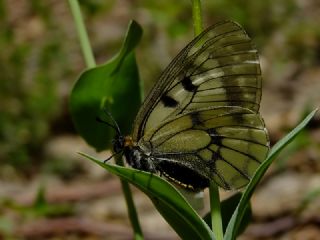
(225, 144)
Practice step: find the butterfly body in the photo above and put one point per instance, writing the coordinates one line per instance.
(201, 120)
(145, 160)
(137, 158)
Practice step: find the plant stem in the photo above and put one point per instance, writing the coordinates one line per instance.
(216, 221)
(215, 211)
(82, 33)
(90, 62)
(197, 16)
(138, 235)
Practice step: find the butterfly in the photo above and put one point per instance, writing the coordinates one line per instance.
(200, 121)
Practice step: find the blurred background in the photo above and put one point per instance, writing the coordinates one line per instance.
(47, 191)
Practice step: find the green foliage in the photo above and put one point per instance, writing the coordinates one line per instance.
(176, 210)
(228, 207)
(260, 17)
(175, 18)
(6, 227)
(94, 91)
(235, 222)
(35, 68)
(112, 87)
(41, 207)
(169, 202)
(302, 40)
(94, 7)
(301, 142)
(28, 90)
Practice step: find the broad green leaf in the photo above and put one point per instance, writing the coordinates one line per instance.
(168, 201)
(234, 224)
(113, 86)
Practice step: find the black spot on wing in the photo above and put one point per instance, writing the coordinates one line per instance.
(215, 137)
(195, 117)
(169, 101)
(238, 118)
(212, 132)
(188, 85)
(233, 94)
(215, 156)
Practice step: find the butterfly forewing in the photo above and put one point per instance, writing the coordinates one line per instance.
(200, 121)
(218, 68)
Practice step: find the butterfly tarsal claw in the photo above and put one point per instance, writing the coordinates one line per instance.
(109, 158)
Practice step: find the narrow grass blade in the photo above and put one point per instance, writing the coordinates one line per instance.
(233, 226)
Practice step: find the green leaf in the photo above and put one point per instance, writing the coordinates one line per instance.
(114, 86)
(168, 201)
(234, 224)
(228, 206)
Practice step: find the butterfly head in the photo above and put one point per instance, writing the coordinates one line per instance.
(121, 142)
(118, 143)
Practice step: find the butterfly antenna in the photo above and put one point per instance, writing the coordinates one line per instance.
(115, 126)
(98, 119)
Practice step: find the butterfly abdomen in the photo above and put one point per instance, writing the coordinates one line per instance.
(183, 176)
(174, 171)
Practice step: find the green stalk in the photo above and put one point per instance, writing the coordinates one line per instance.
(197, 16)
(216, 221)
(132, 212)
(82, 33)
(213, 189)
(90, 62)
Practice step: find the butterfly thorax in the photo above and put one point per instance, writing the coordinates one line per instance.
(135, 156)
(121, 142)
(140, 156)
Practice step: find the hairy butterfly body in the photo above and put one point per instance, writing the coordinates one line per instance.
(201, 120)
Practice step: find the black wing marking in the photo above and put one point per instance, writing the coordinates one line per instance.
(220, 67)
(224, 144)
